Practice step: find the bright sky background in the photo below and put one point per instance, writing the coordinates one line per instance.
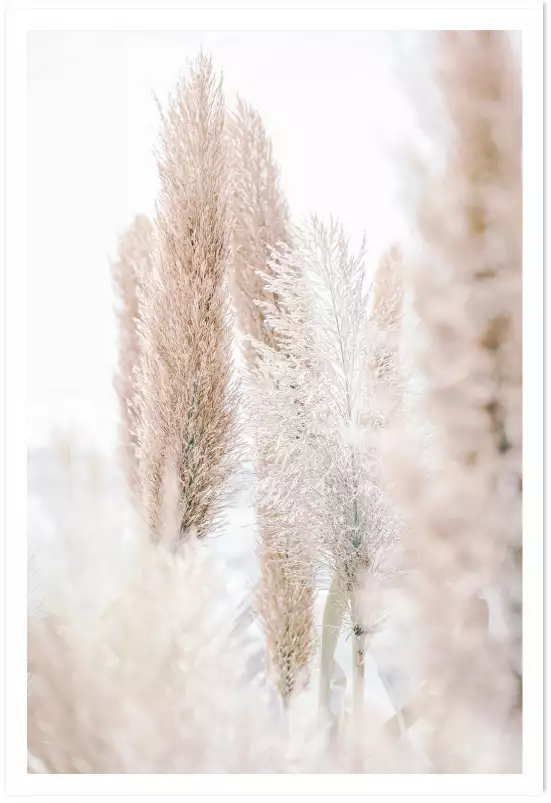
(329, 100)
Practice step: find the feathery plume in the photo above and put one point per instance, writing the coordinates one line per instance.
(285, 601)
(388, 291)
(134, 260)
(466, 287)
(285, 595)
(311, 418)
(260, 219)
(187, 394)
(155, 683)
(387, 299)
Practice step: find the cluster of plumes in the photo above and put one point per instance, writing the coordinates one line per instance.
(466, 536)
(156, 680)
(143, 689)
(311, 409)
(313, 404)
(187, 397)
(154, 677)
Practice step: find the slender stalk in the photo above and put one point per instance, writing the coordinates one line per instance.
(358, 674)
(358, 667)
(260, 221)
(333, 615)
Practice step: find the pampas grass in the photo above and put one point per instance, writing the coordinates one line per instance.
(312, 417)
(187, 393)
(386, 439)
(131, 268)
(153, 684)
(465, 278)
(260, 219)
(285, 595)
(154, 677)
